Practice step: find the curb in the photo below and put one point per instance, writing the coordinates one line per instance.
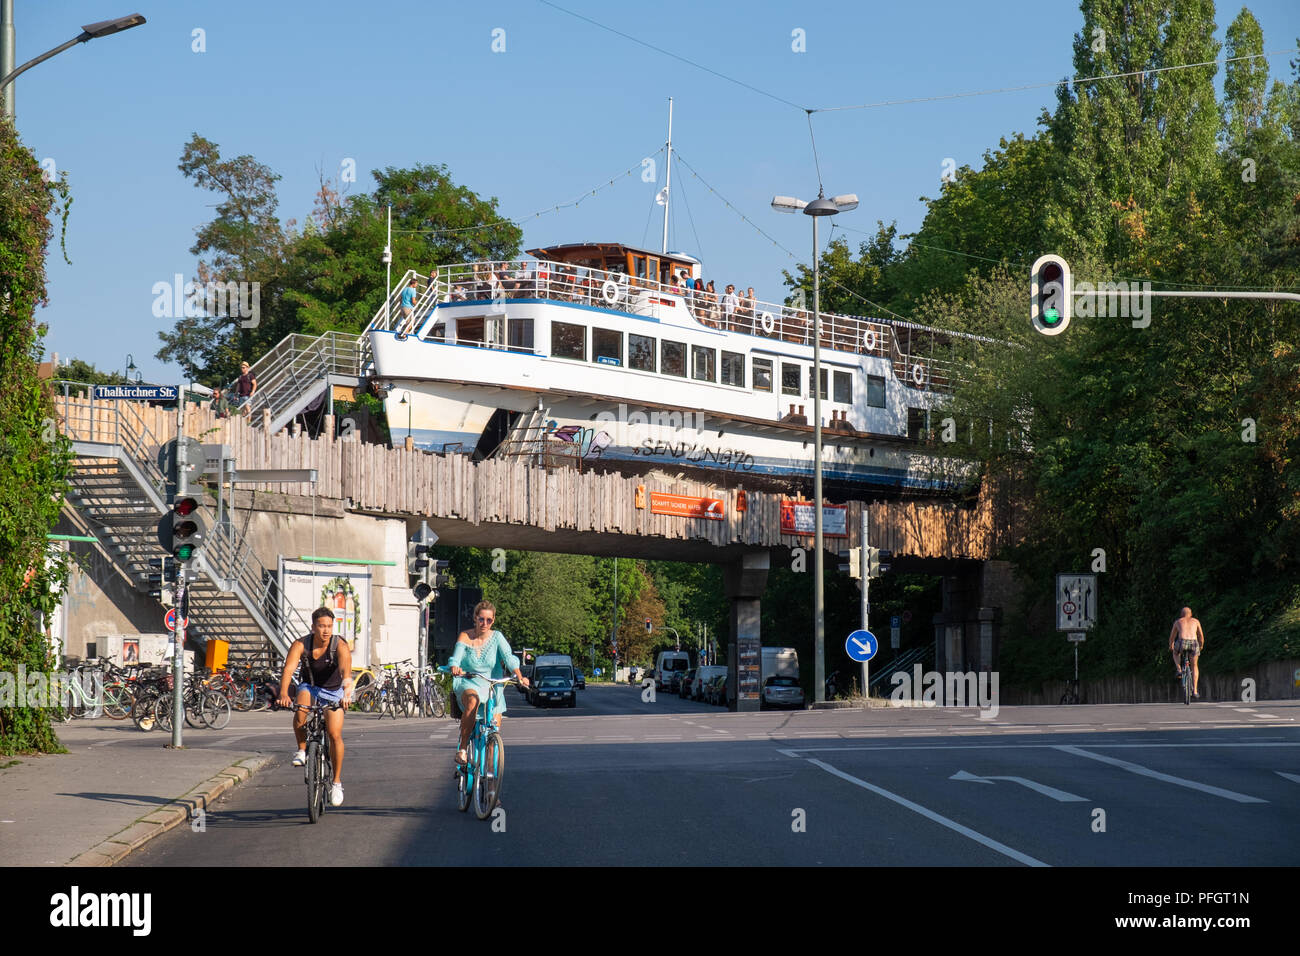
(168, 816)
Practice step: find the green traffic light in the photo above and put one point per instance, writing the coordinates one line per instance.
(185, 552)
(1051, 316)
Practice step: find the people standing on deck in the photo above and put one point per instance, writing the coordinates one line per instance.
(711, 296)
(747, 309)
(730, 305)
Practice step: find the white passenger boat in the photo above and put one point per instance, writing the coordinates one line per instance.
(598, 351)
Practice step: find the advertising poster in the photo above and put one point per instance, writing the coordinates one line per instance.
(798, 517)
(343, 588)
(686, 506)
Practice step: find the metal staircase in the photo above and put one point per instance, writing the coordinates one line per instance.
(119, 495)
(296, 374)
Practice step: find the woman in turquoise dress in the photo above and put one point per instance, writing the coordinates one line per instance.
(483, 653)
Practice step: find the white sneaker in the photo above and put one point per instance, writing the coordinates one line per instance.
(300, 758)
(336, 795)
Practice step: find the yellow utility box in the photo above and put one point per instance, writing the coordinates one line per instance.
(218, 650)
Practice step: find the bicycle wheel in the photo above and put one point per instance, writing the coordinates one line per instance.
(142, 708)
(244, 695)
(439, 707)
(487, 789)
(465, 782)
(1187, 681)
(215, 710)
(315, 786)
(162, 712)
(326, 777)
(117, 700)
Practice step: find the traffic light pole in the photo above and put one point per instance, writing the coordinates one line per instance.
(866, 589)
(178, 660)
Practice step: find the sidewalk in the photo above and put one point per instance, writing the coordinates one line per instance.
(116, 787)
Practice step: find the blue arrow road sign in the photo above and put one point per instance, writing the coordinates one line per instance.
(861, 646)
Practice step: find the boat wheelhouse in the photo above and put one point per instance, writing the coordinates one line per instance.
(607, 352)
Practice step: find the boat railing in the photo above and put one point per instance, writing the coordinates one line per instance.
(919, 356)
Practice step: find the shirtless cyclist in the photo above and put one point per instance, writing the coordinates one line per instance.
(1187, 633)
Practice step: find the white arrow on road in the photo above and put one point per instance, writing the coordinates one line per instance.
(1293, 777)
(1059, 795)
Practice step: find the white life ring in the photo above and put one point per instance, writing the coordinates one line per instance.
(611, 292)
(870, 340)
(769, 322)
(918, 373)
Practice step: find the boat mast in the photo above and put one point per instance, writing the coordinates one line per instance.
(668, 175)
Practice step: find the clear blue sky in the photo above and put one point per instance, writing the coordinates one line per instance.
(303, 85)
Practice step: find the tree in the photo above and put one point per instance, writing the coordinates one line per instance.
(35, 460)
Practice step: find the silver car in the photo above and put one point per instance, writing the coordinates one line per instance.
(781, 691)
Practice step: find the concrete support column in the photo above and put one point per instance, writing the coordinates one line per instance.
(744, 581)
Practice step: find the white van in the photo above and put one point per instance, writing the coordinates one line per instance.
(703, 675)
(666, 663)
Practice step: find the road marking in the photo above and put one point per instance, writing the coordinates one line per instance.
(1293, 777)
(1267, 717)
(1108, 746)
(931, 815)
(1058, 795)
(664, 737)
(1157, 775)
(613, 738)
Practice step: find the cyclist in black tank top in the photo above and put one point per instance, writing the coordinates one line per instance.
(327, 678)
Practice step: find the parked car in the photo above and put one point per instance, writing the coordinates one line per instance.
(684, 686)
(667, 664)
(717, 692)
(675, 681)
(782, 691)
(703, 676)
(579, 681)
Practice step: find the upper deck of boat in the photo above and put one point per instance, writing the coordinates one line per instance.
(638, 282)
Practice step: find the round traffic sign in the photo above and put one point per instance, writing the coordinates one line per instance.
(170, 620)
(1068, 608)
(861, 646)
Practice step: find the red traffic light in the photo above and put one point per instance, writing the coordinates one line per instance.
(184, 506)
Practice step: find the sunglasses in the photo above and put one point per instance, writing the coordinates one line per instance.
(486, 620)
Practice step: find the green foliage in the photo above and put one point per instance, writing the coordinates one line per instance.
(1171, 446)
(34, 458)
(329, 275)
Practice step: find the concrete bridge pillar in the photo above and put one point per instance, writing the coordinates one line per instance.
(744, 581)
(968, 630)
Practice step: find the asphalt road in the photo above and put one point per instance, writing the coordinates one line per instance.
(619, 780)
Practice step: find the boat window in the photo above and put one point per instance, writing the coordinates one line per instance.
(791, 379)
(652, 268)
(702, 359)
(916, 422)
(762, 375)
(672, 358)
(519, 334)
(843, 387)
(733, 369)
(823, 385)
(876, 391)
(607, 346)
(641, 352)
(638, 267)
(469, 330)
(568, 341)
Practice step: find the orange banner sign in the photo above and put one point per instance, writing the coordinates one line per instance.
(684, 506)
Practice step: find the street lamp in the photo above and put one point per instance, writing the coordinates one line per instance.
(821, 206)
(130, 367)
(91, 31)
(408, 414)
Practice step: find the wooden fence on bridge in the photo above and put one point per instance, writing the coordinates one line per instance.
(395, 481)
